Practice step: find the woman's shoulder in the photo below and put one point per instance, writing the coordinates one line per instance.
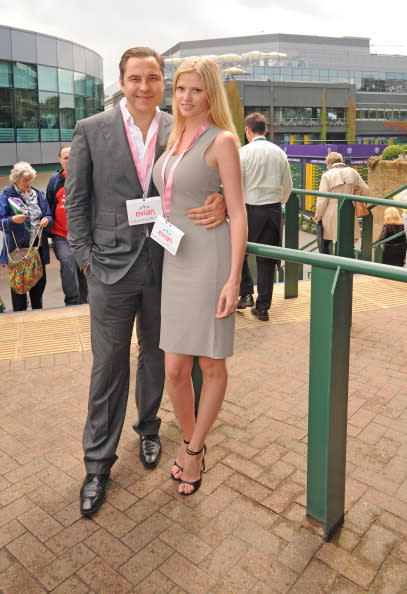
(223, 138)
(8, 191)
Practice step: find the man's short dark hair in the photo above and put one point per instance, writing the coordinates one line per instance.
(139, 52)
(256, 122)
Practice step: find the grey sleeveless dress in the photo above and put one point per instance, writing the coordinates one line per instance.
(195, 276)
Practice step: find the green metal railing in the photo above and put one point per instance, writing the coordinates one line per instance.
(345, 243)
(331, 313)
(331, 316)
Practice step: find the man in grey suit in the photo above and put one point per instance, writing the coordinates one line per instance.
(111, 162)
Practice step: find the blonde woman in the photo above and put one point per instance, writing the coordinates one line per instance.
(201, 282)
(394, 252)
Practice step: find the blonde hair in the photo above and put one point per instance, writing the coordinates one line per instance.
(212, 83)
(21, 169)
(332, 158)
(392, 216)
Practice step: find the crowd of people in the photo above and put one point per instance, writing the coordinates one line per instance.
(149, 218)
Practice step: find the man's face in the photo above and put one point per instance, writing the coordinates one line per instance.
(64, 157)
(142, 85)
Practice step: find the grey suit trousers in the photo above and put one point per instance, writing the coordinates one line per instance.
(113, 311)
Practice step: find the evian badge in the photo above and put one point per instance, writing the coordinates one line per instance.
(166, 234)
(144, 210)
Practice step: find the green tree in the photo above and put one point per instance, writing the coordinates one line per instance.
(236, 108)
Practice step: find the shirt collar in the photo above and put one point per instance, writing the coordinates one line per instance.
(129, 117)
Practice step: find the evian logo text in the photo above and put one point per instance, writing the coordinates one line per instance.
(165, 234)
(145, 211)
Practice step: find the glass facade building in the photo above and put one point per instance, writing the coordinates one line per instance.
(46, 85)
(306, 83)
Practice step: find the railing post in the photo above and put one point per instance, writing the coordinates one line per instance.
(345, 229)
(291, 241)
(331, 307)
(367, 233)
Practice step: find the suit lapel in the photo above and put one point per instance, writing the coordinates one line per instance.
(163, 132)
(115, 135)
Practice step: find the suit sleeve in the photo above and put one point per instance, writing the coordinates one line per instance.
(78, 201)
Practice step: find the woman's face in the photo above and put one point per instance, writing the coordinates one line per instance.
(24, 183)
(191, 98)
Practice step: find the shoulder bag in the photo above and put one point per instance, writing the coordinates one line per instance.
(24, 264)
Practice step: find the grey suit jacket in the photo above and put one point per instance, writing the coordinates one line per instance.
(101, 177)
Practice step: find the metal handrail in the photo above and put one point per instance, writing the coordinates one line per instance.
(372, 200)
(331, 315)
(387, 239)
(329, 262)
(344, 244)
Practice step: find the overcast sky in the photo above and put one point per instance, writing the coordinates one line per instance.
(161, 24)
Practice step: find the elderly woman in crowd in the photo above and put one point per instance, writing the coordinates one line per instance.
(23, 209)
(339, 179)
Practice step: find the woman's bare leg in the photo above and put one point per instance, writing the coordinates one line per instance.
(180, 389)
(213, 392)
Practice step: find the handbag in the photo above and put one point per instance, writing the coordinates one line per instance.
(361, 209)
(24, 265)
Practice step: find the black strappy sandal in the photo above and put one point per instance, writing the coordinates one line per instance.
(175, 463)
(174, 478)
(195, 484)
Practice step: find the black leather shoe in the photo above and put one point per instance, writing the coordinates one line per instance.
(245, 302)
(150, 450)
(93, 493)
(262, 314)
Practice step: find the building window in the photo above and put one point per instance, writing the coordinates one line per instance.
(26, 110)
(90, 106)
(298, 116)
(80, 83)
(6, 116)
(80, 108)
(25, 75)
(90, 86)
(49, 117)
(5, 74)
(98, 90)
(66, 116)
(47, 78)
(65, 81)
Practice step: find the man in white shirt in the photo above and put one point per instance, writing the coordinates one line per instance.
(110, 165)
(267, 184)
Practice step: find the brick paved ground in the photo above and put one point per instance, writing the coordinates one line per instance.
(245, 530)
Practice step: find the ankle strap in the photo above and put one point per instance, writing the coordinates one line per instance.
(186, 442)
(191, 453)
